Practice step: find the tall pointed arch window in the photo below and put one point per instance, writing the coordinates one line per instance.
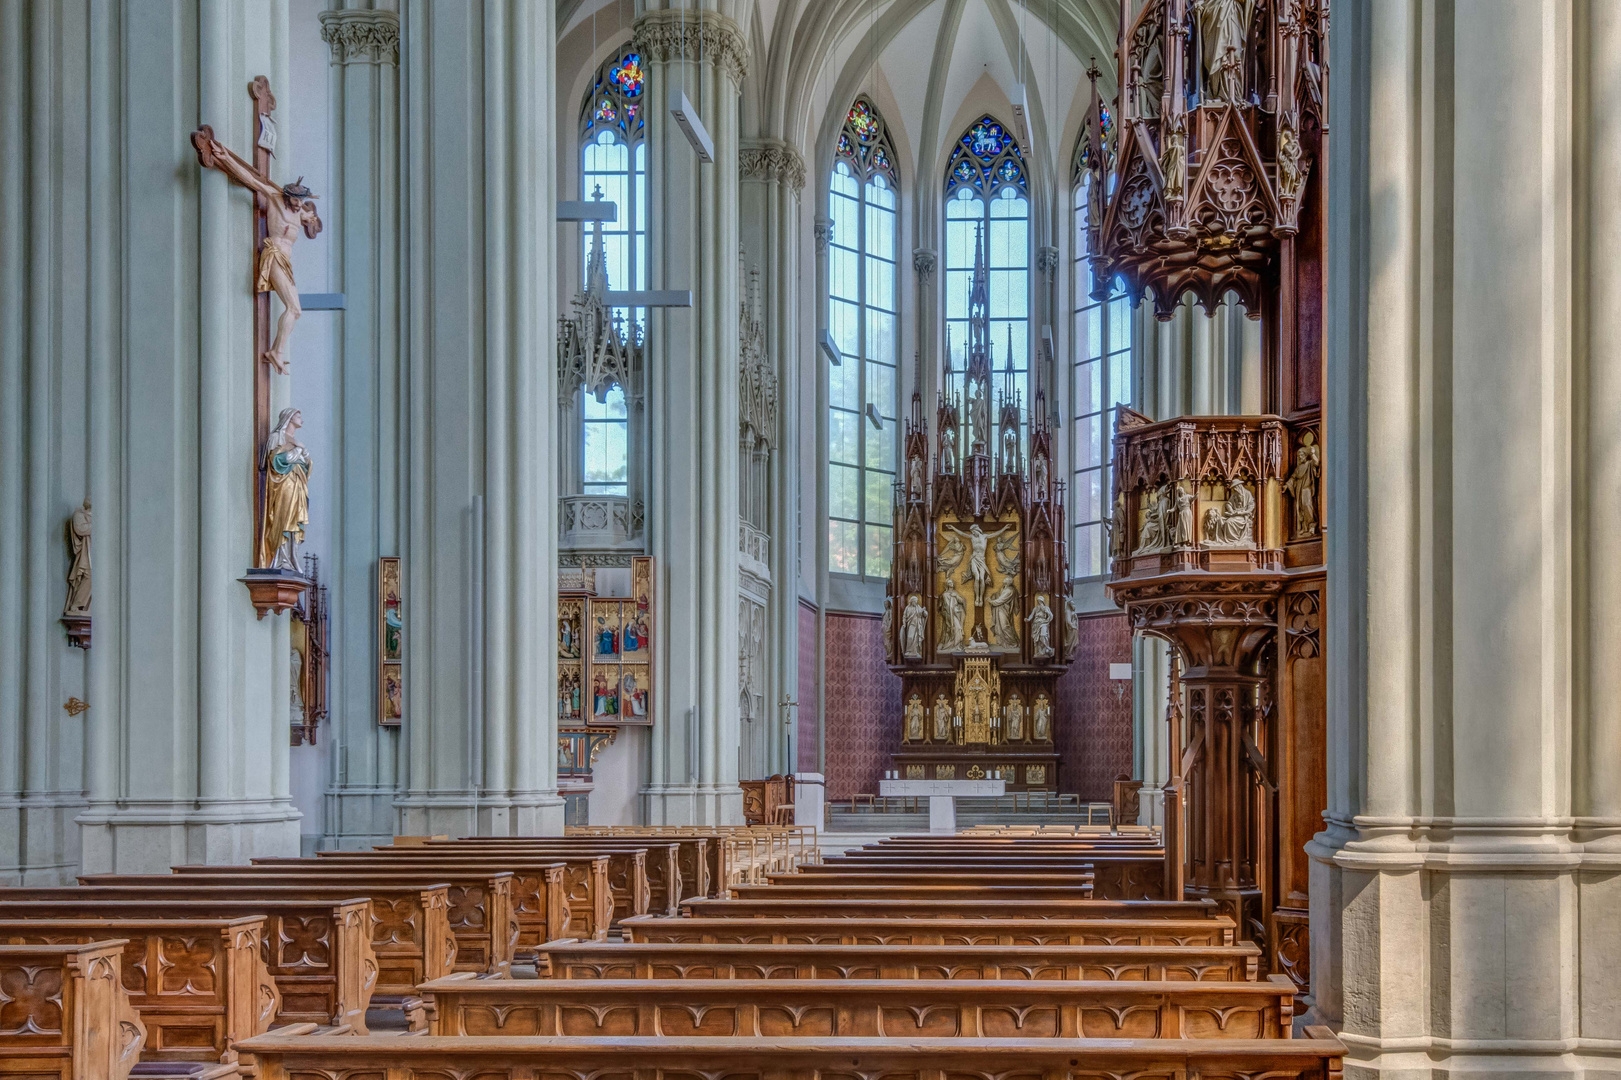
(863, 393)
(1103, 375)
(613, 163)
(988, 188)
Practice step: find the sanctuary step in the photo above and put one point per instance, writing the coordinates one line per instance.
(876, 814)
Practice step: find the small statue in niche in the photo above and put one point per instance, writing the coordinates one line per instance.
(1117, 528)
(1289, 175)
(914, 477)
(1224, 31)
(288, 209)
(914, 719)
(948, 449)
(1042, 719)
(1013, 719)
(1002, 603)
(1041, 622)
(1302, 484)
(914, 624)
(1010, 449)
(1233, 523)
(287, 494)
(889, 629)
(1182, 522)
(942, 719)
(1038, 473)
(1153, 528)
(1173, 161)
(78, 536)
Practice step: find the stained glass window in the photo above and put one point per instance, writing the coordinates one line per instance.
(1104, 374)
(863, 203)
(987, 189)
(613, 162)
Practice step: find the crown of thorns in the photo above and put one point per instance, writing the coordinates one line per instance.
(297, 190)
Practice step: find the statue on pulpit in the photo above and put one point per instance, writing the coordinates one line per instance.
(1224, 30)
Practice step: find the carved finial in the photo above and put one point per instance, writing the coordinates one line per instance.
(1092, 71)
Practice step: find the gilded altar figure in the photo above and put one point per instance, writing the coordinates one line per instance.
(914, 624)
(914, 718)
(979, 569)
(287, 494)
(1013, 719)
(78, 533)
(1041, 627)
(1042, 719)
(1003, 604)
(953, 615)
(942, 719)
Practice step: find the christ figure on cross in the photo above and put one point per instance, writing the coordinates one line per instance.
(979, 571)
(288, 209)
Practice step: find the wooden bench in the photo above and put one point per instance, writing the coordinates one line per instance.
(410, 927)
(613, 960)
(478, 905)
(540, 888)
(695, 855)
(200, 985)
(65, 1013)
(1104, 931)
(1077, 890)
(666, 864)
(319, 952)
(926, 1008)
(949, 909)
(1078, 876)
(1316, 1057)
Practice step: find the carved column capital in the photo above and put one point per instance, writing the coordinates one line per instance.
(663, 36)
(923, 262)
(1047, 260)
(362, 37)
(824, 233)
(772, 160)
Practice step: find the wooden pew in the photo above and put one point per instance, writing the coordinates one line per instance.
(479, 904)
(66, 1013)
(410, 928)
(465, 1005)
(200, 985)
(319, 952)
(1079, 876)
(1077, 890)
(1316, 1057)
(694, 854)
(949, 909)
(613, 960)
(666, 864)
(1104, 931)
(541, 899)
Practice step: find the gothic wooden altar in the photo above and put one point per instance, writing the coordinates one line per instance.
(978, 622)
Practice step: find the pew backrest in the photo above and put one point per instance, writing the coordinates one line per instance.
(66, 1014)
(810, 931)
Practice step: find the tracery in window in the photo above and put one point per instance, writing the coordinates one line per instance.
(863, 393)
(987, 189)
(1102, 379)
(613, 167)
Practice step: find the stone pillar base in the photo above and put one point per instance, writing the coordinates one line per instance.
(358, 818)
(692, 804)
(460, 813)
(1469, 956)
(39, 842)
(150, 837)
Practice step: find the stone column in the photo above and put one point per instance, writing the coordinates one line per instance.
(693, 366)
(480, 499)
(138, 391)
(364, 256)
(1465, 909)
(772, 178)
